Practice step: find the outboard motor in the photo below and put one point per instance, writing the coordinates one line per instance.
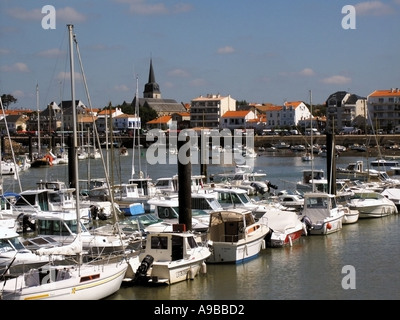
(307, 221)
(141, 273)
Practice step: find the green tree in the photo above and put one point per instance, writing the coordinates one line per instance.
(6, 99)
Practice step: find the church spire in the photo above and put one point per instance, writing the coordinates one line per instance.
(152, 78)
(152, 89)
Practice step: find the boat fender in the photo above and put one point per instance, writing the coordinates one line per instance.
(203, 268)
(192, 273)
(329, 226)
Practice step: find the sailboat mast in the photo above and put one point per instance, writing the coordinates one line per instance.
(312, 143)
(38, 118)
(138, 124)
(74, 130)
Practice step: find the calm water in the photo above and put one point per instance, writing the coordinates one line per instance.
(311, 269)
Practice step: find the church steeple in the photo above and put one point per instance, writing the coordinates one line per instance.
(152, 89)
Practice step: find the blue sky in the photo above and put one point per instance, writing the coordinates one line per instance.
(254, 50)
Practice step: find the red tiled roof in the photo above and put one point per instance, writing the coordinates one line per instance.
(236, 114)
(382, 93)
(163, 119)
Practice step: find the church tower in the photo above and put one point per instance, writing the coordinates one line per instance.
(151, 88)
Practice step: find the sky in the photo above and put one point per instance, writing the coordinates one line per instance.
(260, 51)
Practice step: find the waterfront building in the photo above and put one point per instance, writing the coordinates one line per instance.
(384, 109)
(343, 108)
(207, 112)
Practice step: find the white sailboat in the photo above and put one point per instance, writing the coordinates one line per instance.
(92, 280)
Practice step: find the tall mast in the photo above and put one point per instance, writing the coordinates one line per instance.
(138, 124)
(38, 118)
(75, 131)
(312, 143)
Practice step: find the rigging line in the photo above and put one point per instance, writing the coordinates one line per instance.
(58, 56)
(113, 207)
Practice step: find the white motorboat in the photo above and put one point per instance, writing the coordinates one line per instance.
(286, 227)
(14, 257)
(171, 257)
(167, 209)
(321, 214)
(372, 204)
(384, 164)
(234, 236)
(392, 194)
(63, 227)
(9, 168)
(238, 198)
(291, 199)
(343, 200)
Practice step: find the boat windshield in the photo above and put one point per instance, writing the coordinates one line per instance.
(168, 212)
(5, 246)
(16, 243)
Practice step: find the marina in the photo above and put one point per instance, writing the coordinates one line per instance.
(291, 272)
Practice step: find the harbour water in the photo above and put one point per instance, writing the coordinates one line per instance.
(360, 262)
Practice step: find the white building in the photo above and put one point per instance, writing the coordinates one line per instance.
(343, 108)
(288, 115)
(384, 109)
(236, 119)
(206, 112)
(126, 122)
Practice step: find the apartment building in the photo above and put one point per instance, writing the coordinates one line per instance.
(384, 109)
(206, 112)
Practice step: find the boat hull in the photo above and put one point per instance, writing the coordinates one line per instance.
(328, 226)
(374, 211)
(93, 282)
(284, 239)
(171, 273)
(236, 252)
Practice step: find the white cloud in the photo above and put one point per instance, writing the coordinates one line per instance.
(51, 53)
(69, 14)
(142, 7)
(18, 94)
(178, 73)
(197, 82)
(23, 14)
(122, 88)
(16, 67)
(67, 76)
(373, 8)
(226, 50)
(308, 72)
(336, 80)
(4, 51)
